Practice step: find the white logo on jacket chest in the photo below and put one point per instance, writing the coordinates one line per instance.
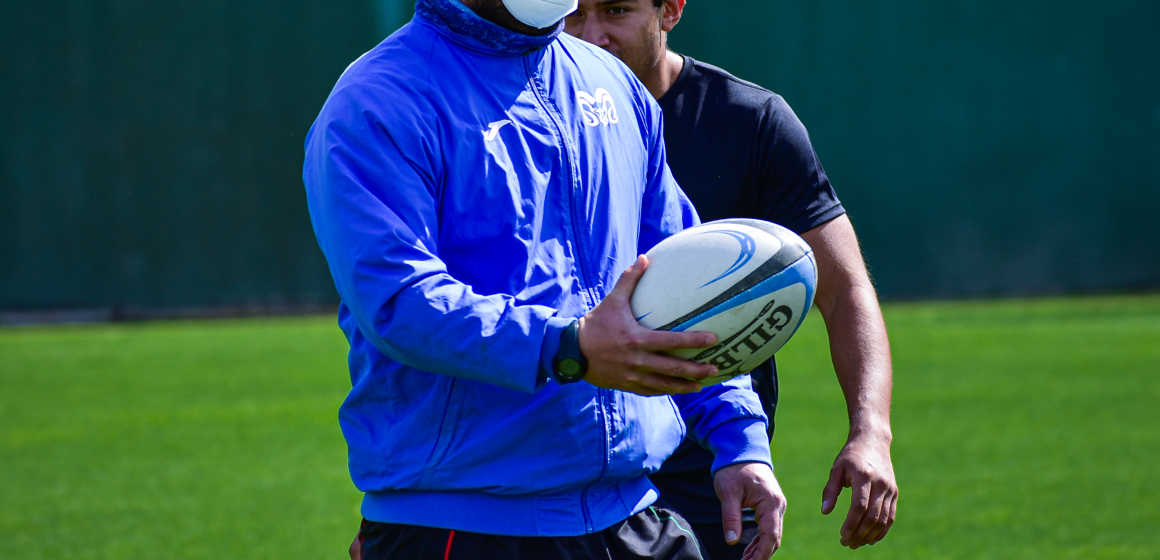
(597, 109)
(493, 130)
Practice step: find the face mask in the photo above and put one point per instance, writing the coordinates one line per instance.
(540, 13)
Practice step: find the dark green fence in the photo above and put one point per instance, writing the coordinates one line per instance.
(982, 147)
(150, 153)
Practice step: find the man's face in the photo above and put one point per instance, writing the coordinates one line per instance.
(629, 29)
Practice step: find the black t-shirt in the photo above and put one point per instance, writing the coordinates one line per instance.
(738, 151)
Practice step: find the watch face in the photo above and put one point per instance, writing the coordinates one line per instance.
(569, 367)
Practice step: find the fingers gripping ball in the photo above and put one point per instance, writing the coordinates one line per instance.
(749, 282)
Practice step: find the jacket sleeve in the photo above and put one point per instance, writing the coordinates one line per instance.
(728, 420)
(372, 179)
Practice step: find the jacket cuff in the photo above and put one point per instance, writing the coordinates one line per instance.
(549, 347)
(739, 441)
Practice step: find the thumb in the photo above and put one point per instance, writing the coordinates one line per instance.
(627, 283)
(832, 490)
(731, 517)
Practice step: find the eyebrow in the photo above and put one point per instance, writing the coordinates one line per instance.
(605, 3)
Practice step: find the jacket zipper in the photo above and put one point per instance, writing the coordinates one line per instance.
(581, 263)
(584, 276)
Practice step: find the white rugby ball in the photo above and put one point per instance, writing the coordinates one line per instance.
(750, 282)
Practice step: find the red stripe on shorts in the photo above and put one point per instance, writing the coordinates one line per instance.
(447, 553)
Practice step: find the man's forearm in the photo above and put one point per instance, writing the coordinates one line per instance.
(860, 351)
(859, 346)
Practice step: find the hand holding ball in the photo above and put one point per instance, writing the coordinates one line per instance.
(749, 282)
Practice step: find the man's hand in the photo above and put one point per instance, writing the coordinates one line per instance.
(624, 355)
(864, 467)
(355, 548)
(751, 485)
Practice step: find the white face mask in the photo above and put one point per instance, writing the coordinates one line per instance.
(540, 13)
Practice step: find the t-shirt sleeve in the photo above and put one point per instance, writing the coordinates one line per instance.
(792, 187)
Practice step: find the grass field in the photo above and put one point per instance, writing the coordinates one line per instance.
(1023, 429)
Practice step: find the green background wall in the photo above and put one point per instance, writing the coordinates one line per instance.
(150, 153)
(982, 147)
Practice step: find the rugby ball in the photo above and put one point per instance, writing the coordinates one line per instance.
(750, 282)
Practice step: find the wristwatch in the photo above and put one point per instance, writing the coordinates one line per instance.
(570, 365)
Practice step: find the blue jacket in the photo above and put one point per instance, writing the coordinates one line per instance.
(473, 191)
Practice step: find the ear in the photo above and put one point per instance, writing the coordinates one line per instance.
(672, 14)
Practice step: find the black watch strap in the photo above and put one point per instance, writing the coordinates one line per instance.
(570, 365)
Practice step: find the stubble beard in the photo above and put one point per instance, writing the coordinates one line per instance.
(651, 52)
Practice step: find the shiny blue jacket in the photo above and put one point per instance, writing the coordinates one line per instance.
(473, 191)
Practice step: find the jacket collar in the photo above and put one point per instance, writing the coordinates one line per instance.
(461, 21)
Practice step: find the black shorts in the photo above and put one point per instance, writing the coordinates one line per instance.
(654, 533)
(712, 537)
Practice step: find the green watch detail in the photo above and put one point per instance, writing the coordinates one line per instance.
(569, 364)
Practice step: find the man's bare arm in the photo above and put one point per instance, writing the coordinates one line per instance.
(860, 350)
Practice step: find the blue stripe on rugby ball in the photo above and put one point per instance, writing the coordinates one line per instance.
(748, 248)
(771, 324)
(804, 271)
(788, 248)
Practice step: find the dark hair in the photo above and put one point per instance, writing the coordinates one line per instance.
(658, 3)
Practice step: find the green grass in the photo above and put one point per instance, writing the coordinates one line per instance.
(180, 440)
(1025, 429)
